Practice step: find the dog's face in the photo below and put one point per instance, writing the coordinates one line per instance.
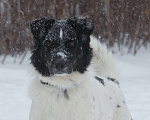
(61, 47)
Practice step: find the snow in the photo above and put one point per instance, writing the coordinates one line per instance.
(61, 54)
(15, 79)
(14, 82)
(135, 83)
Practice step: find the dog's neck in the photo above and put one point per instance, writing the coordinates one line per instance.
(48, 84)
(65, 82)
(56, 87)
(64, 85)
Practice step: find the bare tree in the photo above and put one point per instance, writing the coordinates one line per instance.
(117, 22)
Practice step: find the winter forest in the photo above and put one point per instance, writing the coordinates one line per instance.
(118, 23)
(121, 25)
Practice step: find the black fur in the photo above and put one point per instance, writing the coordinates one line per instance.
(47, 43)
(66, 94)
(100, 80)
(46, 83)
(113, 80)
(118, 106)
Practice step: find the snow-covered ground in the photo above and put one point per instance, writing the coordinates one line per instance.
(135, 83)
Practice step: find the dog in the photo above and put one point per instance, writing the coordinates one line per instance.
(75, 77)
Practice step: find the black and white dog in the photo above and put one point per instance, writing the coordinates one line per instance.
(75, 76)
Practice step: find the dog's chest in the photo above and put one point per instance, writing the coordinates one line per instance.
(55, 106)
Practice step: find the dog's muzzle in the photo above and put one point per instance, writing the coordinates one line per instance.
(61, 66)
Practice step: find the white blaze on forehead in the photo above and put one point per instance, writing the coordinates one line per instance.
(61, 54)
(61, 33)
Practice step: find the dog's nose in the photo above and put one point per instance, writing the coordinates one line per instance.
(60, 66)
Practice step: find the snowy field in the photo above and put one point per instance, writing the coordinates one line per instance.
(135, 83)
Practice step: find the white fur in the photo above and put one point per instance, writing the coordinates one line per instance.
(88, 99)
(61, 33)
(103, 63)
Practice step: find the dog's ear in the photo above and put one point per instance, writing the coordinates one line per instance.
(83, 26)
(39, 27)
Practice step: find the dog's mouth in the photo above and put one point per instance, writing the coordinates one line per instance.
(61, 74)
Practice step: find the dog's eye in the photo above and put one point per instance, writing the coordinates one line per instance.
(71, 44)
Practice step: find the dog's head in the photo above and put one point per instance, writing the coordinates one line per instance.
(61, 47)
